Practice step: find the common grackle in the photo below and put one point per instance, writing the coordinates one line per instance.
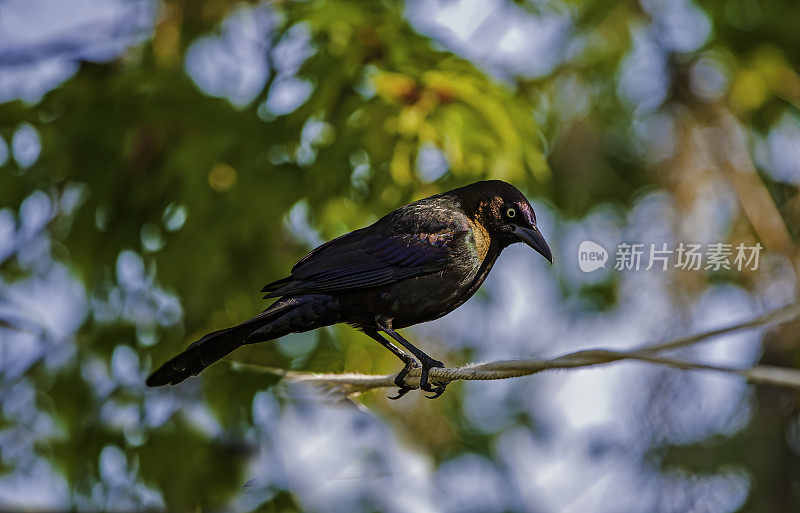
(415, 264)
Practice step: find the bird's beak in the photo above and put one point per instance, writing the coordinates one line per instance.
(534, 238)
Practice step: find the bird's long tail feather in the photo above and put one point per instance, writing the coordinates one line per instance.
(199, 355)
(289, 315)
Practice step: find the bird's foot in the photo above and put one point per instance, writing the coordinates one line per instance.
(400, 379)
(425, 384)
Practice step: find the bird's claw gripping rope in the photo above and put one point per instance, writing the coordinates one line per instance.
(400, 379)
(438, 390)
(424, 382)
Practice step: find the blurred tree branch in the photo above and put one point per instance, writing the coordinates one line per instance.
(733, 160)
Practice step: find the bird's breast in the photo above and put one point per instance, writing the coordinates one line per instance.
(431, 296)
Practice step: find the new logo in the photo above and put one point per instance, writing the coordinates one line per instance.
(591, 256)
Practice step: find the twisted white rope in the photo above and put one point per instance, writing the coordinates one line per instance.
(354, 383)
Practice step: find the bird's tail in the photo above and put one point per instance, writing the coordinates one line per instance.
(289, 315)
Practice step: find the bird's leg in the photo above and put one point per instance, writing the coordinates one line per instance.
(427, 362)
(410, 363)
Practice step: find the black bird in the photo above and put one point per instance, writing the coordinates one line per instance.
(415, 264)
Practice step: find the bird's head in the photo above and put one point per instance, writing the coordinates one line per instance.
(504, 212)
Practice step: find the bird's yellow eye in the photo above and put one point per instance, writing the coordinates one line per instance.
(511, 212)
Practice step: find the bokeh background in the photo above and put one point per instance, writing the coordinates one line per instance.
(161, 161)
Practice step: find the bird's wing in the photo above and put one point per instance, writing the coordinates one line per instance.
(367, 258)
